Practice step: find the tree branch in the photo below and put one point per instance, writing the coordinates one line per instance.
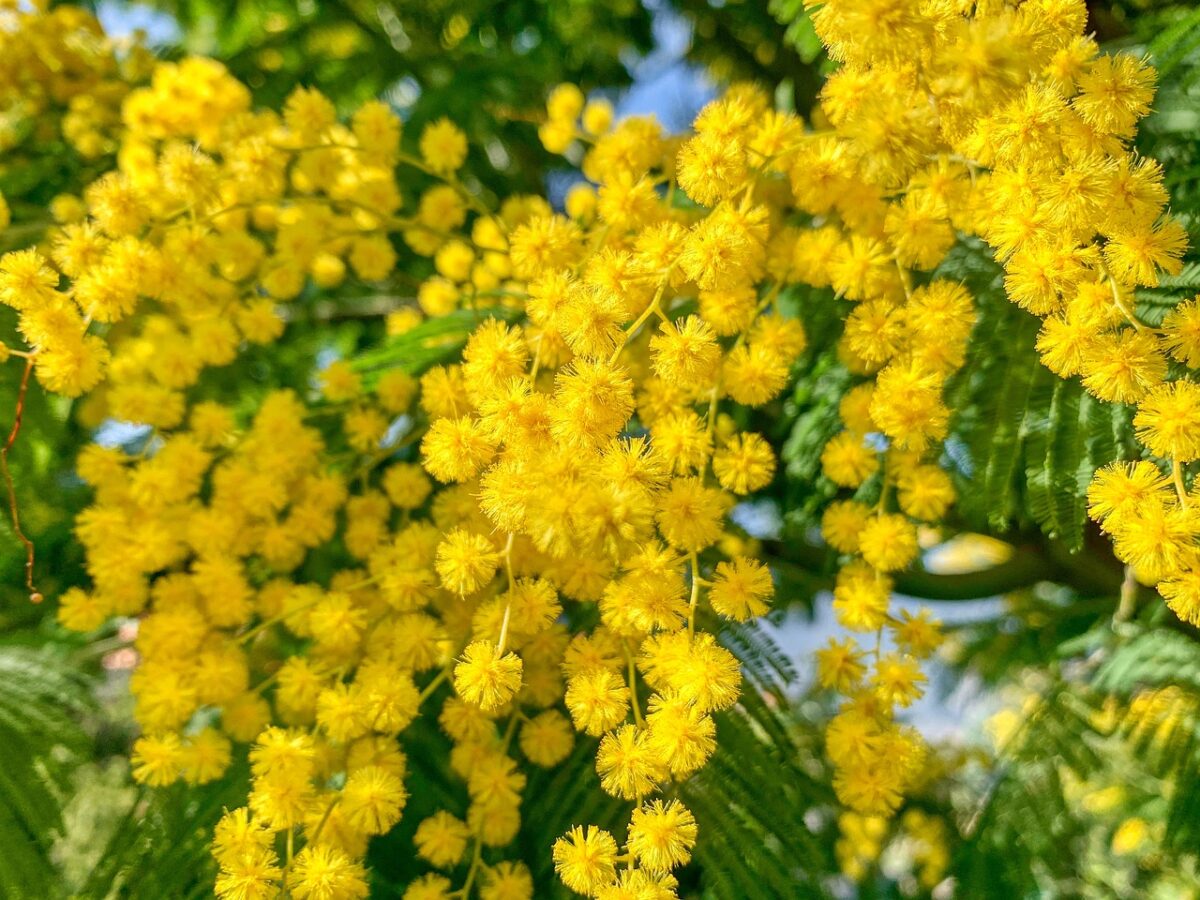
(1030, 563)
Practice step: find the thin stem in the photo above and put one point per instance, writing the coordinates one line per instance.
(511, 729)
(695, 561)
(500, 644)
(504, 630)
(652, 309)
(476, 859)
(291, 849)
(1177, 477)
(633, 697)
(274, 620)
(266, 682)
(34, 595)
(433, 685)
(1120, 302)
(316, 836)
(1128, 601)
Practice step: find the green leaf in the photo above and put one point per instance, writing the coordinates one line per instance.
(433, 341)
(41, 740)
(1025, 442)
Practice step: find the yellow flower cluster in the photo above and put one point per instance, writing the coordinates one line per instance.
(543, 521)
(61, 78)
(1008, 124)
(582, 454)
(1075, 216)
(923, 837)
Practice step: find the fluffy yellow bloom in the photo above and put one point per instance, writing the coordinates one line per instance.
(848, 460)
(486, 677)
(443, 146)
(441, 839)
(547, 738)
(745, 464)
(627, 767)
(1122, 367)
(597, 700)
(1181, 333)
(661, 835)
(741, 589)
(680, 734)
(888, 542)
(690, 513)
(1182, 593)
(326, 873)
(373, 799)
(430, 886)
(1168, 421)
(466, 561)
(925, 493)
(898, 679)
(1120, 488)
(840, 665)
(860, 598)
(585, 858)
(157, 760)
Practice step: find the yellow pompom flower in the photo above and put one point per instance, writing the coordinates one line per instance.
(441, 839)
(308, 112)
(206, 756)
(860, 598)
(340, 382)
(840, 665)
(710, 168)
(627, 767)
(1122, 367)
(842, 523)
(661, 835)
(326, 873)
(1182, 593)
(741, 589)
(487, 678)
(406, 485)
(1168, 421)
(689, 514)
(254, 874)
(745, 464)
(888, 542)
(373, 799)
(925, 492)
(443, 147)
(898, 679)
(918, 634)
(597, 116)
(157, 760)
(686, 352)
(680, 734)
(1181, 333)
(456, 449)
(598, 700)
(1120, 488)
(585, 859)
(547, 738)
(754, 374)
(466, 561)
(507, 881)
(848, 460)
(80, 610)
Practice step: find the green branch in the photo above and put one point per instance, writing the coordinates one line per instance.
(1029, 564)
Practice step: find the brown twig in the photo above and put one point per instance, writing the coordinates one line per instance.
(34, 594)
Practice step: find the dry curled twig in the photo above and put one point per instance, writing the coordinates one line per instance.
(34, 594)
